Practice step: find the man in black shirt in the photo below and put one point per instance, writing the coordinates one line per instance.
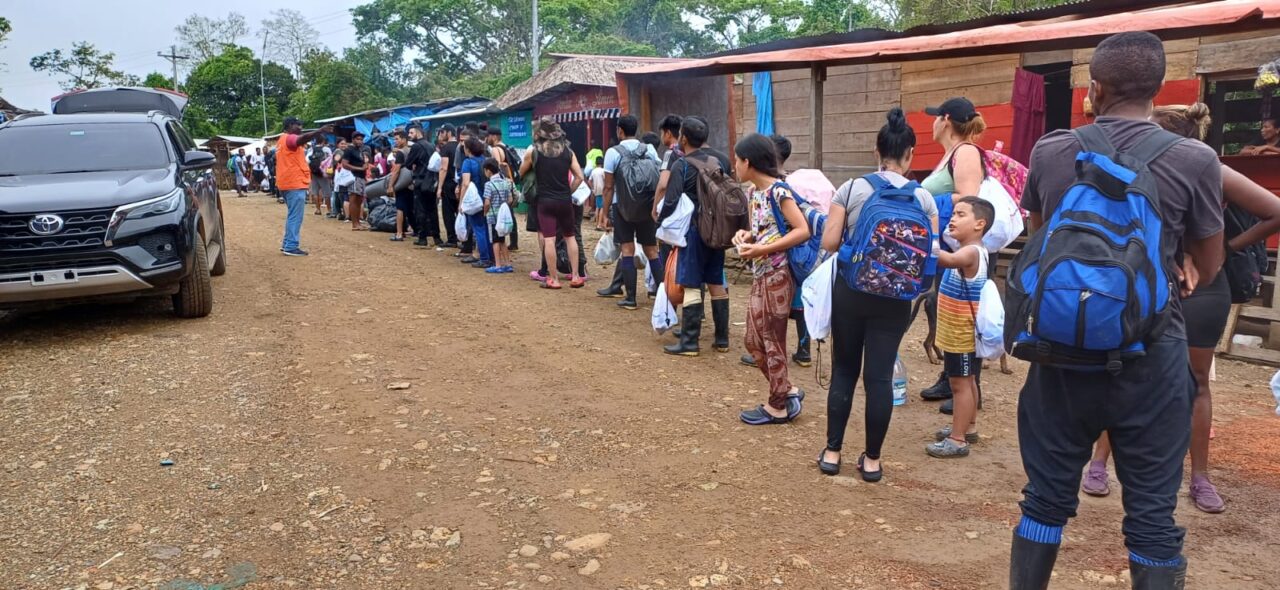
(426, 220)
(698, 264)
(447, 187)
(353, 160)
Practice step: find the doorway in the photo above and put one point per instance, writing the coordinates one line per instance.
(1057, 94)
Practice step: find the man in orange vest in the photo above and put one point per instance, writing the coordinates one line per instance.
(293, 178)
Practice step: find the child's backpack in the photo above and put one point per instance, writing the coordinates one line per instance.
(803, 258)
(1244, 267)
(636, 183)
(722, 205)
(889, 251)
(1092, 288)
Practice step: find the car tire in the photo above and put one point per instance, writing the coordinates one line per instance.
(194, 298)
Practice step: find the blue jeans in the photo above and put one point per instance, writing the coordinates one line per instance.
(480, 235)
(296, 201)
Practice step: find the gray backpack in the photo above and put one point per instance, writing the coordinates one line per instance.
(636, 182)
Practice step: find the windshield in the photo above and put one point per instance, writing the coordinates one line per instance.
(88, 147)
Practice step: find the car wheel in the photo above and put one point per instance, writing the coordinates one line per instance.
(194, 298)
(220, 265)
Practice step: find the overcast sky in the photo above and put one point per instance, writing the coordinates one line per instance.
(135, 30)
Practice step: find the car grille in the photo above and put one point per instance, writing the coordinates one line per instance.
(86, 228)
(28, 267)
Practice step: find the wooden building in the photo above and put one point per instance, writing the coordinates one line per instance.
(1027, 73)
(578, 92)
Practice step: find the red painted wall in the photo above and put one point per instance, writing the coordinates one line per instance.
(1173, 92)
(583, 98)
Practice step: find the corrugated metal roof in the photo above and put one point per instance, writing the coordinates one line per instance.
(1056, 33)
(416, 105)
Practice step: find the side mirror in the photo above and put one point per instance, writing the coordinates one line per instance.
(197, 159)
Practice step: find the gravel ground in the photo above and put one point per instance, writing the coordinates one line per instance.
(378, 416)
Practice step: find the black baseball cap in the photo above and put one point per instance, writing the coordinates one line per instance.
(958, 109)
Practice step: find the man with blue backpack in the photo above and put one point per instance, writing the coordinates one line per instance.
(1121, 213)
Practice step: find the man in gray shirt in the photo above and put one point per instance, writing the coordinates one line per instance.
(1146, 407)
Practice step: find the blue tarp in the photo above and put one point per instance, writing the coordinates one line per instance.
(762, 88)
(395, 119)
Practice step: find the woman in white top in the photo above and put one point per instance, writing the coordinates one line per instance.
(867, 329)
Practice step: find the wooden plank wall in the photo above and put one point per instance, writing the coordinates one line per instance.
(987, 81)
(856, 99)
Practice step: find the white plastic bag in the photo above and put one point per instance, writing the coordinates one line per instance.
(581, 195)
(988, 325)
(1008, 223)
(650, 284)
(674, 228)
(460, 227)
(471, 201)
(344, 178)
(664, 316)
(505, 221)
(816, 295)
(1275, 390)
(607, 252)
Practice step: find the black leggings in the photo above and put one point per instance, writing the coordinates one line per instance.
(873, 326)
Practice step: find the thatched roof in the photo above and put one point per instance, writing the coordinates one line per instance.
(568, 71)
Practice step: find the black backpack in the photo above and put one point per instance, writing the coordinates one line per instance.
(315, 161)
(636, 183)
(1244, 267)
(513, 160)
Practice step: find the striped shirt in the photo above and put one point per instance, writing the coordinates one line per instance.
(958, 304)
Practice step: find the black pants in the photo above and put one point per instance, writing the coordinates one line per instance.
(449, 206)
(1146, 410)
(426, 219)
(866, 330)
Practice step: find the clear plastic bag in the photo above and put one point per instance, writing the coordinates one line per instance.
(607, 251)
(1268, 76)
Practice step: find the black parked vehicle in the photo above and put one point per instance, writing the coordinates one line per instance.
(108, 198)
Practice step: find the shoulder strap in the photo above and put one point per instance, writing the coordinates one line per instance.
(877, 182)
(982, 157)
(1153, 146)
(1092, 139)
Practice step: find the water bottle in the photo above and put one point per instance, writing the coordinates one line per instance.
(899, 382)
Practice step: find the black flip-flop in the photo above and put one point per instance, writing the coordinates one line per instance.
(869, 476)
(825, 467)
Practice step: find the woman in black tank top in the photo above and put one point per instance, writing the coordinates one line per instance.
(558, 175)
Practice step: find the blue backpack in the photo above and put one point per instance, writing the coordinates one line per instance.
(890, 251)
(803, 258)
(1091, 288)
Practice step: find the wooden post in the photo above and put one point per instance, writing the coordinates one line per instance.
(733, 115)
(646, 112)
(817, 78)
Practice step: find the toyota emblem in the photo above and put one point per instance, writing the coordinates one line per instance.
(46, 224)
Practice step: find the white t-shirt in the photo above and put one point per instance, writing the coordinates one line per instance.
(614, 156)
(597, 181)
(259, 162)
(852, 195)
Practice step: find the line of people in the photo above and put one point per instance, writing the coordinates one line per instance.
(1143, 403)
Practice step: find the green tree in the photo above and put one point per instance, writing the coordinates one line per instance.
(385, 69)
(738, 23)
(834, 16)
(223, 85)
(5, 29)
(333, 87)
(248, 122)
(157, 80)
(197, 122)
(82, 67)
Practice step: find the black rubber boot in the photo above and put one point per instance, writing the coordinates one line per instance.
(802, 356)
(720, 316)
(628, 288)
(690, 330)
(1149, 577)
(615, 288)
(940, 390)
(1031, 564)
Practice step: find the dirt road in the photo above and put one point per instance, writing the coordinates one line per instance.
(542, 442)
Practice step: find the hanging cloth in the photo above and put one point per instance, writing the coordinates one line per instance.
(762, 88)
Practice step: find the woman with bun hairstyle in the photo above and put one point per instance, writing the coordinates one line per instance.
(867, 329)
(1206, 310)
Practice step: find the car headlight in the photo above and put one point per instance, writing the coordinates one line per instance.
(143, 209)
(157, 206)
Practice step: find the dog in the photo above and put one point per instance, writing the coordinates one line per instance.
(929, 301)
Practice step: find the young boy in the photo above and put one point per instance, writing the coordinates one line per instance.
(498, 190)
(597, 190)
(958, 294)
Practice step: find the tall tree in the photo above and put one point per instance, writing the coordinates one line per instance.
(290, 38)
(385, 68)
(222, 86)
(333, 87)
(203, 38)
(83, 67)
(738, 23)
(157, 80)
(5, 29)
